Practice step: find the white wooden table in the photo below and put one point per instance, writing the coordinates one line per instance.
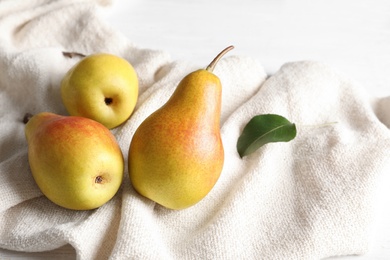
(351, 35)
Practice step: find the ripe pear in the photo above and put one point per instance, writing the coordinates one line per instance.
(75, 161)
(176, 155)
(101, 86)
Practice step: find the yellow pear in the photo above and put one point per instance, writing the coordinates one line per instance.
(176, 154)
(75, 161)
(103, 87)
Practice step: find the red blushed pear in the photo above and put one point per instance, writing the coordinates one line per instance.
(176, 155)
(75, 161)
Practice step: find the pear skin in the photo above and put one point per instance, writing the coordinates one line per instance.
(75, 161)
(101, 86)
(176, 155)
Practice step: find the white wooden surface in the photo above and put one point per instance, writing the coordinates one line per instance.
(351, 35)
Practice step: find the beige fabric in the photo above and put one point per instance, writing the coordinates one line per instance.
(306, 199)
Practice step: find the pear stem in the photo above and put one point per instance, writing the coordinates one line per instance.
(73, 54)
(27, 118)
(211, 66)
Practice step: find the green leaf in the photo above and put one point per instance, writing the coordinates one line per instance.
(263, 129)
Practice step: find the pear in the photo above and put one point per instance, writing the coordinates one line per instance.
(101, 86)
(75, 161)
(176, 154)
